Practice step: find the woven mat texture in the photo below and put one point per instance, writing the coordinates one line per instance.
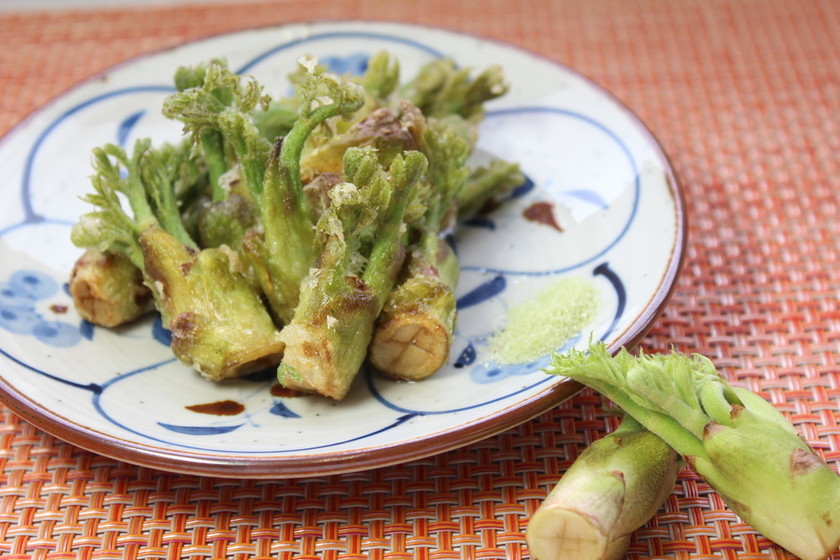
(745, 98)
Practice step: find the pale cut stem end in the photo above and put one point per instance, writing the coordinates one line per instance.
(410, 347)
(563, 534)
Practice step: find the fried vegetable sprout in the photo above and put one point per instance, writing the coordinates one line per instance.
(302, 232)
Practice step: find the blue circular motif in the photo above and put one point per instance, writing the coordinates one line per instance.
(17, 309)
(57, 333)
(19, 320)
(33, 285)
(11, 298)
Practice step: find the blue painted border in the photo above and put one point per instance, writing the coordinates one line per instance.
(97, 397)
(29, 215)
(636, 189)
(602, 269)
(338, 35)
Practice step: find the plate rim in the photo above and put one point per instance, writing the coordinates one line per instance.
(376, 456)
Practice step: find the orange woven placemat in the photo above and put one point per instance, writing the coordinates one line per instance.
(744, 96)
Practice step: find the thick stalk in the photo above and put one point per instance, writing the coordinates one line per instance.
(414, 331)
(614, 487)
(213, 150)
(286, 218)
(327, 339)
(218, 323)
(108, 290)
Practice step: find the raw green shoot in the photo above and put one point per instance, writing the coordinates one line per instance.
(739, 443)
(614, 487)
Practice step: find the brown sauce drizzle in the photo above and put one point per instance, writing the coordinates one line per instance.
(218, 408)
(542, 213)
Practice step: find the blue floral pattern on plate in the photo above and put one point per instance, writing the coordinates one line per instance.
(18, 313)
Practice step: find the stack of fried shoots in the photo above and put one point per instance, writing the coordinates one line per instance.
(304, 233)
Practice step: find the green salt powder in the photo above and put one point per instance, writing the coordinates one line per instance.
(542, 325)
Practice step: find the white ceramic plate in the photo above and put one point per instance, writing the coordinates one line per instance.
(121, 393)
